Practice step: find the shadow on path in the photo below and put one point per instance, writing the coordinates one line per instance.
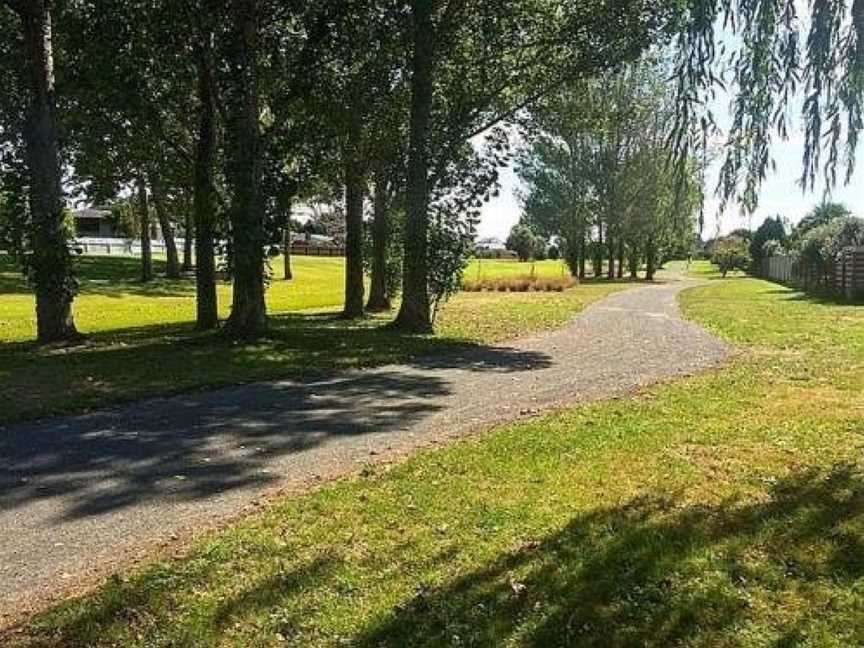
(196, 445)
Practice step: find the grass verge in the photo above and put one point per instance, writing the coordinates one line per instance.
(723, 510)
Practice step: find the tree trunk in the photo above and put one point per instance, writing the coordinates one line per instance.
(621, 258)
(582, 272)
(172, 267)
(188, 239)
(286, 251)
(144, 217)
(379, 299)
(414, 312)
(353, 227)
(248, 317)
(51, 262)
(650, 260)
(598, 252)
(610, 244)
(204, 208)
(633, 261)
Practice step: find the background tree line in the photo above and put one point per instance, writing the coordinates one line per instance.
(595, 166)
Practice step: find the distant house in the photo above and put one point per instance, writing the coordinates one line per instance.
(304, 239)
(94, 222)
(492, 248)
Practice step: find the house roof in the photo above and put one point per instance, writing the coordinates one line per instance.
(92, 212)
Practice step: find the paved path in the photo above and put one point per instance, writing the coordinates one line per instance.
(84, 494)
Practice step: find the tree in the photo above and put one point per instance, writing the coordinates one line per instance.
(522, 241)
(204, 188)
(414, 314)
(128, 125)
(771, 229)
(596, 172)
(248, 317)
(772, 54)
(50, 261)
(821, 214)
(540, 248)
(823, 244)
(144, 216)
(472, 87)
(385, 258)
(730, 253)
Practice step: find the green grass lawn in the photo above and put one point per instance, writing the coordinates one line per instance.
(140, 339)
(725, 509)
(113, 298)
(495, 268)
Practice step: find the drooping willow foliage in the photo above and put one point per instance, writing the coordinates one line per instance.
(773, 51)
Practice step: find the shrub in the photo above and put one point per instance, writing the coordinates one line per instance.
(730, 253)
(771, 230)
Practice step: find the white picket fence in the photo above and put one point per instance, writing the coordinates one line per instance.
(124, 247)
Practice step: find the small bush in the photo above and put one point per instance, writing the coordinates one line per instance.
(520, 284)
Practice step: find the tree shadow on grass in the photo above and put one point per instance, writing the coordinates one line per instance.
(651, 572)
(199, 444)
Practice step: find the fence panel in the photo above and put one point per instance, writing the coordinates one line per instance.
(318, 250)
(845, 277)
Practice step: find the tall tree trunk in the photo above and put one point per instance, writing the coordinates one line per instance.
(633, 261)
(286, 251)
(598, 252)
(172, 266)
(414, 312)
(51, 262)
(188, 238)
(650, 259)
(204, 198)
(353, 226)
(621, 258)
(248, 317)
(610, 244)
(582, 255)
(144, 217)
(379, 299)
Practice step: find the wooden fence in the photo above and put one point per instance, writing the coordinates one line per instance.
(844, 278)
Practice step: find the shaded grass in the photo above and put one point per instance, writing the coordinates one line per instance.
(723, 510)
(162, 354)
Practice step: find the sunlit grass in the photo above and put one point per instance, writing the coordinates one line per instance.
(491, 268)
(113, 298)
(726, 509)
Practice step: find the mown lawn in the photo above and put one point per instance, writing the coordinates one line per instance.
(112, 297)
(140, 340)
(725, 509)
(495, 268)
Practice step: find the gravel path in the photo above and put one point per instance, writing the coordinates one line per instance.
(83, 495)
